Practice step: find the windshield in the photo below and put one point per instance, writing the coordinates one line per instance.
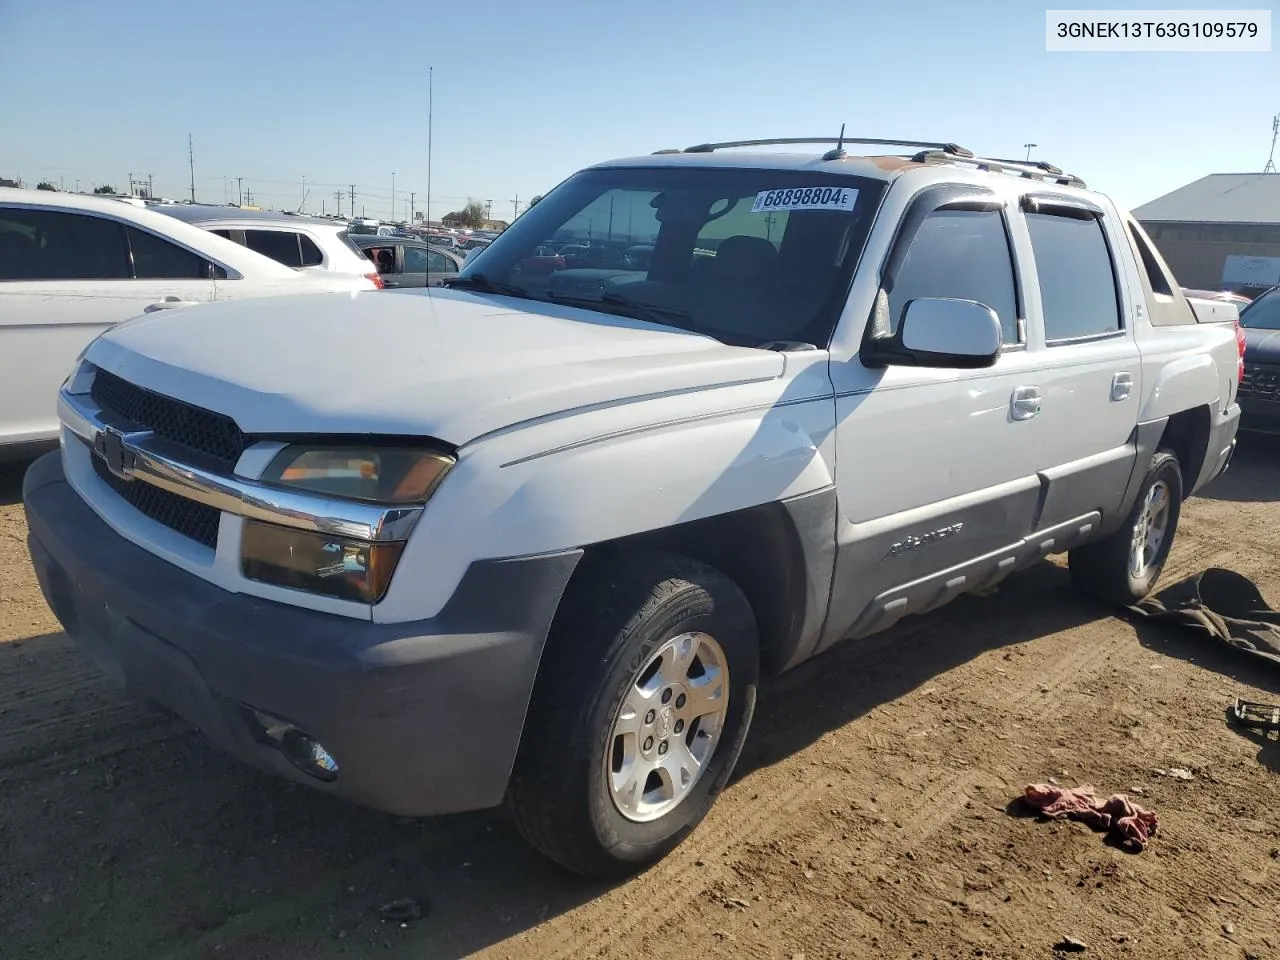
(1263, 313)
(748, 256)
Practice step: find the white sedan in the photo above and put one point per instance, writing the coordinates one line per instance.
(71, 266)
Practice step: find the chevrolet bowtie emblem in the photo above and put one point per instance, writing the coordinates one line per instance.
(110, 446)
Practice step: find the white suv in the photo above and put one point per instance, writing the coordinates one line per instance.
(71, 266)
(309, 244)
(538, 535)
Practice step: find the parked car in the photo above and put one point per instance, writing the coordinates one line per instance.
(71, 266)
(404, 262)
(1260, 386)
(304, 243)
(505, 544)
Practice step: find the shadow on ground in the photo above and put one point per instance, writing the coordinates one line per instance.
(11, 482)
(1254, 474)
(157, 846)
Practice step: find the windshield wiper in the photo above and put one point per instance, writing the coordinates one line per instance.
(478, 281)
(650, 313)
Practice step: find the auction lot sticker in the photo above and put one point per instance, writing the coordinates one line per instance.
(805, 198)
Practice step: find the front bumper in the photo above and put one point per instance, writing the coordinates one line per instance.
(422, 718)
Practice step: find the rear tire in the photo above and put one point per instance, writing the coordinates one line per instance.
(1123, 568)
(614, 768)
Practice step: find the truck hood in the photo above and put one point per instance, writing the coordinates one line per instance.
(441, 363)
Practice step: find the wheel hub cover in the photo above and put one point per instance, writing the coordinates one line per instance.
(666, 720)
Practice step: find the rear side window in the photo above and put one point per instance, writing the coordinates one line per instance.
(311, 255)
(155, 258)
(53, 245)
(280, 245)
(960, 255)
(1077, 278)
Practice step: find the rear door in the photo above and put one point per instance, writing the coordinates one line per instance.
(1087, 372)
(65, 277)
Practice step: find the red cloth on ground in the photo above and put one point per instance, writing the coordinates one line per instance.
(1130, 824)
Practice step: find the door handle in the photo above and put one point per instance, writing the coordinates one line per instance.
(1025, 403)
(1121, 385)
(164, 303)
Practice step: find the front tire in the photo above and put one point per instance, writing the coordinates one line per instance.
(643, 700)
(1123, 568)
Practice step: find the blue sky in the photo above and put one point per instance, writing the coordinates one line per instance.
(525, 93)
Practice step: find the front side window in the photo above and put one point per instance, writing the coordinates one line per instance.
(155, 258)
(959, 255)
(56, 245)
(747, 256)
(417, 260)
(1077, 279)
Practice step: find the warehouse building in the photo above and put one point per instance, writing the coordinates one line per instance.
(1221, 232)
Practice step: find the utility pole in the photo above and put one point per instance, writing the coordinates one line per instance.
(303, 202)
(353, 199)
(191, 159)
(412, 195)
(1029, 146)
(515, 207)
(240, 189)
(488, 209)
(1275, 132)
(337, 195)
(393, 194)
(151, 187)
(130, 184)
(429, 93)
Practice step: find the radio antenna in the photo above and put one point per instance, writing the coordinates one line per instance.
(837, 152)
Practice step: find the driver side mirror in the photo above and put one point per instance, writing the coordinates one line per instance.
(937, 332)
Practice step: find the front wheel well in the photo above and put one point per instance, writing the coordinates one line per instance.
(763, 551)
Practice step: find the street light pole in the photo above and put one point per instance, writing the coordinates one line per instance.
(1029, 146)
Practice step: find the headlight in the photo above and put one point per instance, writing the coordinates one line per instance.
(380, 474)
(342, 567)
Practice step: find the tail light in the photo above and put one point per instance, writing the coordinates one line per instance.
(1241, 343)
(377, 280)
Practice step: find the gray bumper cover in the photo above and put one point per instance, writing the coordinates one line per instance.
(423, 717)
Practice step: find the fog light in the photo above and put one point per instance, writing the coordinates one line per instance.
(308, 755)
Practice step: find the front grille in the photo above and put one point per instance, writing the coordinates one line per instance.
(1261, 381)
(191, 519)
(212, 434)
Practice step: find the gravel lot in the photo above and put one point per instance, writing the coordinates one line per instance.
(868, 819)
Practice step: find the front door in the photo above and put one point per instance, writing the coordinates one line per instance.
(937, 468)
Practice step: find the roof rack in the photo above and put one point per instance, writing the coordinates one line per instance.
(929, 152)
(1030, 169)
(951, 149)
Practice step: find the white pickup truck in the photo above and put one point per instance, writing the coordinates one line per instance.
(536, 537)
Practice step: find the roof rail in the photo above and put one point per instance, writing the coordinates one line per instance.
(951, 149)
(1030, 169)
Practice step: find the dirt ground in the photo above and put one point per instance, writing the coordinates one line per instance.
(871, 816)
